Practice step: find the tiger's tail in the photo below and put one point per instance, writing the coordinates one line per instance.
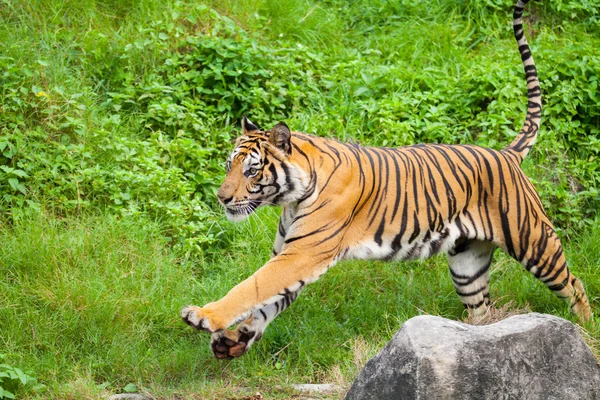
(521, 145)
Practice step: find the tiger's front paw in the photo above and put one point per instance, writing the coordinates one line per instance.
(201, 319)
(231, 344)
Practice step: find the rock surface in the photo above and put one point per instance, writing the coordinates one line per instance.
(129, 396)
(323, 388)
(531, 356)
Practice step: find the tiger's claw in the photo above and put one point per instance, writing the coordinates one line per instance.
(232, 344)
(196, 318)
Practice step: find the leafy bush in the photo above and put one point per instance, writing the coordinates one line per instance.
(157, 140)
(139, 121)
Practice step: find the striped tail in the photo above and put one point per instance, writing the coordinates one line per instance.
(528, 134)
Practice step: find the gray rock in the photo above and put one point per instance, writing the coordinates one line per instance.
(129, 396)
(531, 356)
(323, 388)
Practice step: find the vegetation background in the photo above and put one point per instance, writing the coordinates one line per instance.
(115, 120)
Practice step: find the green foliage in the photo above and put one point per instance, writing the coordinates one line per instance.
(139, 123)
(149, 141)
(130, 388)
(587, 11)
(13, 379)
(219, 70)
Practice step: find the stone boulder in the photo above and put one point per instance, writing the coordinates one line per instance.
(129, 396)
(531, 356)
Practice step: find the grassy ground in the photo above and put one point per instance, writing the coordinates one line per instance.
(90, 305)
(112, 144)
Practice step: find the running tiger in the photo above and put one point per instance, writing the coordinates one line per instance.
(343, 201)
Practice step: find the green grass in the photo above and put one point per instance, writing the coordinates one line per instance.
(91, 304)
(115, 119)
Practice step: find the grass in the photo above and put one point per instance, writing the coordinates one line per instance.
(116, 229)
(90, 305)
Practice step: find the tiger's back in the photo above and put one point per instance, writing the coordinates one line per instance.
(426, 197)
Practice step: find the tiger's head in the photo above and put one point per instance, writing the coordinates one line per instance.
(260, 171)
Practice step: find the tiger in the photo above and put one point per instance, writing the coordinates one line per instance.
(347, 201)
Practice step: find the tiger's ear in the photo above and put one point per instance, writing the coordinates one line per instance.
(280, 137)
(248, 126)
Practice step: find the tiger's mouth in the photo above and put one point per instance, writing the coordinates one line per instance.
(241, 210)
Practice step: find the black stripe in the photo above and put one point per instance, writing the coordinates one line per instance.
(559, 286)
(469, 279)
(476, 305)
(472, 293)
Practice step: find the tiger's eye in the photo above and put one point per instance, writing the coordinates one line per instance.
(252, 171)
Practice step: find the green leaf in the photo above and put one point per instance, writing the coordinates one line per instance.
(360, 91)
(24, 378)
(20, 173)
(38, 387)
(5, 394)
(104, 385)
(130, 388)
(14, 183)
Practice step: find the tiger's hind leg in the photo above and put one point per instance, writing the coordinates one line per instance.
(546, 261)
(228, 344)
(469, 263)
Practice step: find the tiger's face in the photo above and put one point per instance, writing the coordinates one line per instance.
(259, 172)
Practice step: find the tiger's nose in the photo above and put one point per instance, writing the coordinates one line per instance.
(225, 193)
(223, 198)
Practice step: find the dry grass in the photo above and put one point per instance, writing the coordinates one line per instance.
(362, 351)
(495, 314)
(592, 343)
